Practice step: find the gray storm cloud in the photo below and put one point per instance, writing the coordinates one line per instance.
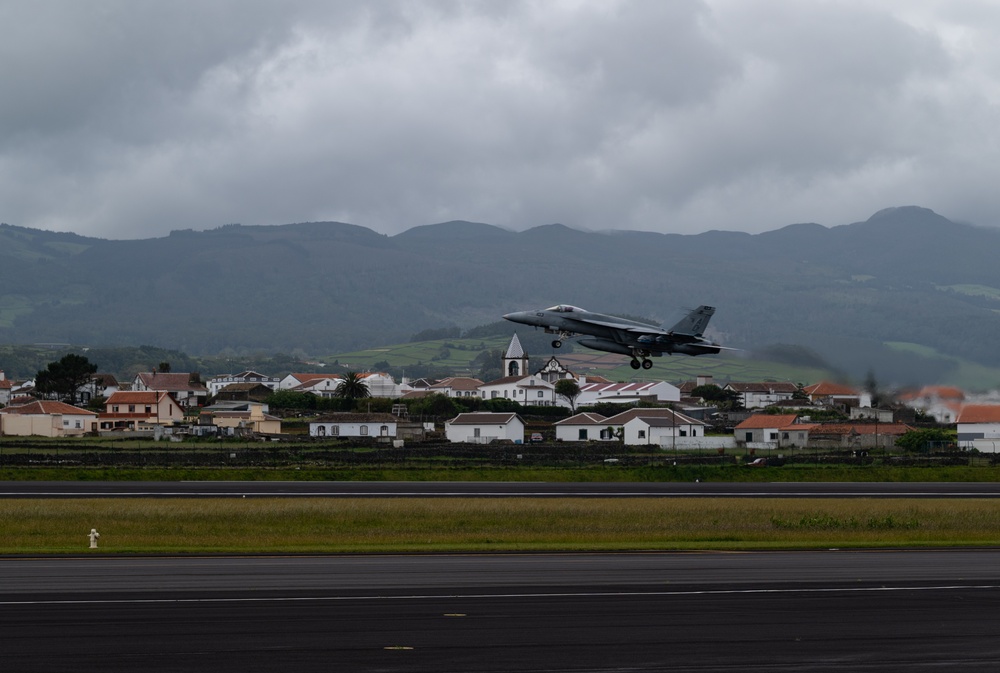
(129, 119)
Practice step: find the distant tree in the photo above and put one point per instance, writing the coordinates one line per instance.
(501, 404)
(290, 399)
(65, 377)
(163, 367)
(570, 389)
(435, 405)
(923, 439)
(722, 398)
(352, 387)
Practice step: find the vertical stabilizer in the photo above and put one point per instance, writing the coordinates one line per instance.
(695, 322)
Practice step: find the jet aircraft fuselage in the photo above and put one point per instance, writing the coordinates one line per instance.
(620, 335)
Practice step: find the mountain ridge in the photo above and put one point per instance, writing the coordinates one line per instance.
(849, 292)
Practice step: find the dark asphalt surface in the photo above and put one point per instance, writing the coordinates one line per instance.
(223, 489)
(762, 611)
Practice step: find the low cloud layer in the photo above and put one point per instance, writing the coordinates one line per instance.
(130, 118)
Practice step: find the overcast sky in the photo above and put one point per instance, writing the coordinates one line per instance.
(131, 118)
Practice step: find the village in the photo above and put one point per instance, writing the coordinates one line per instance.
(763, 415)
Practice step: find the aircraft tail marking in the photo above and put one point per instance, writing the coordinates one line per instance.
(695, 322)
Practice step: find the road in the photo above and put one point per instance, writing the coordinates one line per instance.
(762, 611)
(224, 489)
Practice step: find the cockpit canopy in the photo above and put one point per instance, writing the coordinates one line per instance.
(565, 308)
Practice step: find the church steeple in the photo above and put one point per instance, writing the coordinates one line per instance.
(515, 360)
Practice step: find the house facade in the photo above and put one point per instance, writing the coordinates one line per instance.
(584, 427)
(46, 419)
(627, 393)
(763, 394)
(771, 431)
(528, 390)
(674, 430)
(217, 383)
(354, 425)
(184, 388)
(457, 386)
(140, 411)
(484, 427)
(979, 427)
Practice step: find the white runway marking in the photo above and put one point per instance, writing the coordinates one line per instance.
(583, 594)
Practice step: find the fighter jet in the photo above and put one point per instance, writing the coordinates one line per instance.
(628, 337)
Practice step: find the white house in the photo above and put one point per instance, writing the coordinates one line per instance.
(584, 427)
(46, 419)
(101, 385)
(484, 427)
(769, 431)
(217, 383)
(341, 425)
(183, 387)
(457, 386)
(979, 427)
(530, 390)
(321, 386)
(627, 393)
(760, 395)
(673, 430)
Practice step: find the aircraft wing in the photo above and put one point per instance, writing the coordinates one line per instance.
(635, 329)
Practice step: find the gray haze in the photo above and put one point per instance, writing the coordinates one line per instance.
(130, 118)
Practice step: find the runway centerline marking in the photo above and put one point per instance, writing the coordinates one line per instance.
(451, 596)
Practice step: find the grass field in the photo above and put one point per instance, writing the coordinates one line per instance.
(315, 525)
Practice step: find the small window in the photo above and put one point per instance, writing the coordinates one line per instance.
(384, 431)
(642, 434)
(335, 430)
(131, 408)
(364, 430)
(684, 433)
(540, 394)
(582, 433)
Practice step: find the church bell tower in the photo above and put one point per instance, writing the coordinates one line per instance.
(515, 360)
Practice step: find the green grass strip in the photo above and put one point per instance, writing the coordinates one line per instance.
(329, 525)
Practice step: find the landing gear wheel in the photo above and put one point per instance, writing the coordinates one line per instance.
(557, 344)
(647, 364)
(635, 363)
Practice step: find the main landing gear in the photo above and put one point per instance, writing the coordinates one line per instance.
(645, 363)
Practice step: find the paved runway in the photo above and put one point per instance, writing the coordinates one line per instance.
(785, 611)
(368, 489)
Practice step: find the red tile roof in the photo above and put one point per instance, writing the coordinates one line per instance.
(136, 397)
(765, 421)
(169, 381)
(48, 408)
(979, 413)
(825, 388)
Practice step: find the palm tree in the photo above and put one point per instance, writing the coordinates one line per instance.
(353, 387)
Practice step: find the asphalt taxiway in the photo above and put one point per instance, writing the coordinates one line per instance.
(761, 611)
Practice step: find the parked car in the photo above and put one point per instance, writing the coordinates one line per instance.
(537, 437)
